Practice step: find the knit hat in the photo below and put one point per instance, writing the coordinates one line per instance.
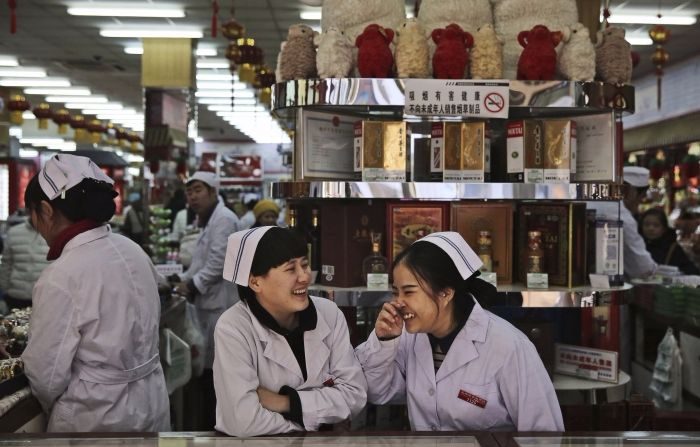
(265, 205)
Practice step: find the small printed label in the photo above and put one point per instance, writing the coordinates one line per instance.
(556, 176)
(599, 281)
(534, 175)
(537, 280)
(169, 269)
(490, 277)
(383, 175)
(377, 281)
(466, 176)
(472, 399)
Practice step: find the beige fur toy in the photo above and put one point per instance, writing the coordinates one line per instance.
(412, 54)
(576, 60)
(468, 14)
(298, 57)
(613, 56)
(487, 54)
(334, 56)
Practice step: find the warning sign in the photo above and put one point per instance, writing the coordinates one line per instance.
(494, 102)
(460, 97)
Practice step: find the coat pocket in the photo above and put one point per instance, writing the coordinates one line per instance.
(481, 403)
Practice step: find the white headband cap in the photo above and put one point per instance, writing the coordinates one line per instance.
(206, 177)
(636, 176)
(240, 252)
(64, 171)
(452, 243)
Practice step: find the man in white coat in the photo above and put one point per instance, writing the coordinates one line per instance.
(203, 282)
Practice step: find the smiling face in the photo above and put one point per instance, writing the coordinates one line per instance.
(282, 291)
(422, 309)
(652, 227)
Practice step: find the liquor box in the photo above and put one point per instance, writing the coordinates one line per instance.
(525, 149)
(406, 222)
(470, 218)
(345, 239)
(419, 165)
(466, 151)
(559, 150)
(380, 150)
(563, 228)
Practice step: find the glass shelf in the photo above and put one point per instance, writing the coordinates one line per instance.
(527, 98)
(445, 191)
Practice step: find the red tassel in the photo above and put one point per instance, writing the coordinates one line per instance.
(13, 15)
(214, 14)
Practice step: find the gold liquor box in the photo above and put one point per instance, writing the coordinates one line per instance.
(380, 150)
(559, 150)
(525, 149)
(466, 151)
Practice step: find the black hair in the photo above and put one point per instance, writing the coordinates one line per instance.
(276, 247)
(658, 212)
(436, 270)
(90, 199)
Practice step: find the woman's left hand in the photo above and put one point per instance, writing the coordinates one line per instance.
(272, 401)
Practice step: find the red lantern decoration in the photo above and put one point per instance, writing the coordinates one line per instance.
(264, 80)
(214, 17)
(96, 129)
(12, 5)
(232, 30)
(78, 124)
(62, 120)
(659, 35)
(690, 166)
(251, 57)
(17, 105)
(656, 169)
(134, 139)
(43, 113)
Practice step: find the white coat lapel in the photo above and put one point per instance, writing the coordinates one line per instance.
(463, 350)
(424, 356)
(275, 347)
(315, 348)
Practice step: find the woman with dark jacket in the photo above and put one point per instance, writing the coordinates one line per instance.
(661, 241)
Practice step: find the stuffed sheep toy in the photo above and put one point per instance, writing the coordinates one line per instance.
(613, 57)
(468, 14)
(374, 58)
(278, 68)
(577, 55)
(412, 54)
(353, 16)
(451, 58)
(487, 54)
(538, 61)
(510, 17)
(298, 57)
(334, 56)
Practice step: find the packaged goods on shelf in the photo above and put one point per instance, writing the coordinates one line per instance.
(559, 150)
(465, 151)
(525, 151)
(380, 150)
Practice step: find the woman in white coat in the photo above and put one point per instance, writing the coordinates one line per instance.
(92, 357)
(283, 360)
(458, 366)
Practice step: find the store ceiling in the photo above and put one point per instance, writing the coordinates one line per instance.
(70, 46)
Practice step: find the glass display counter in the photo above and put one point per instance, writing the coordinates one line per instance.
(602, 439)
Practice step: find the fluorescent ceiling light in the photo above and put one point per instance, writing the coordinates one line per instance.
(641, 40)
(22, 72)
(89, 99)
(167, 32)
(651, 19)
(214, 77)
(224, 94)
(28, 153)
(8, 61)
(310, 15)
(28, 82)
(27, 115)
(119, 112)
(198, 139)
(198, 51)
(41, 141)
(83, 105)
(69, 91)
(226, 102)
(114, 116)
(212, 64)
(125, 10)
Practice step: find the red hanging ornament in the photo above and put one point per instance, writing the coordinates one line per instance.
(12, 4)
(43, 114)
(214, 17)
(62, 119)
(659, 34)
(656, 169)
(17, 105)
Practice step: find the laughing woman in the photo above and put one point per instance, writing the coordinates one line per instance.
(458, 366)
(283, 360)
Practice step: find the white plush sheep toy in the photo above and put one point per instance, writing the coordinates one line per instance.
(412, 55)
(576, 61)
(298, 57)
(487, 54)
(278, 67)
(334, 56)
(613, 56)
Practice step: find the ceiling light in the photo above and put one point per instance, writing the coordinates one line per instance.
(87, 105)
(651, 19)
(641, 40)
(28, 153)
(22, 72)
(69, 91)
(198, 51)
(28, 82)
(214, 77)
(27, 115)
(310, 15)
(89, 99)
(240, 105)
(168, 32)
(8, 61)
(125, 10)
(224, 94)
(212, 64)
(118, 112)
(214, 100)
(41, 141)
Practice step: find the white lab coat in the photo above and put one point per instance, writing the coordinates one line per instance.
(249, 355)
(92, 358)
(638, 262)
(206, 270)
(247, 220)
(490, 363)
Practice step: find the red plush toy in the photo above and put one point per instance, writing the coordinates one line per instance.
(374, 58)
(451, 59)
(538, 61)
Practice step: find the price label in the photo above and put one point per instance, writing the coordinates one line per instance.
(169, 269)
(377, 281)
(537, 280)
(462, 97)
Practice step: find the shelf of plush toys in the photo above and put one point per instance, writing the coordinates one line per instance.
(14, 329)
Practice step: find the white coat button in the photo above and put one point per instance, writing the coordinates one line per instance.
(433, 428)
(431, 391)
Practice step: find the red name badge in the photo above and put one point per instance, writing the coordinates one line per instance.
(329, 382)
(472, 399)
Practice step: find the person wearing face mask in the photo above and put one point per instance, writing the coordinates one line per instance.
(283, 360)
(457, 366)
(92, 358)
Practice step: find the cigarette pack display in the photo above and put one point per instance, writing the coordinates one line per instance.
(381, 147)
